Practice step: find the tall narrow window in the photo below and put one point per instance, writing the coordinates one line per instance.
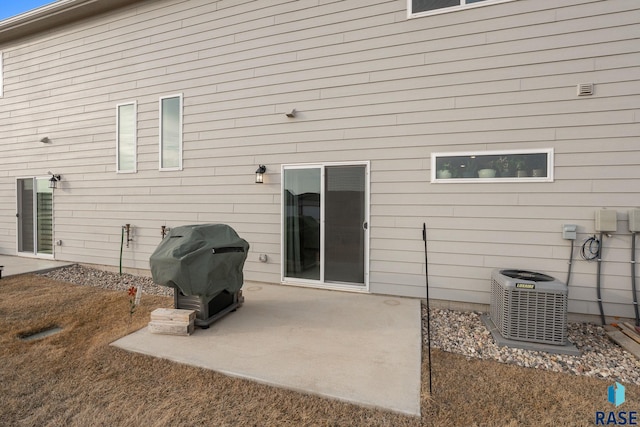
(126, 137)
(171, 132)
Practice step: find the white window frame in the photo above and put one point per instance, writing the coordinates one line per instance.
(285, 280)
(34, 253)
(549, 165)
(463, 6)
(135, 137)
(180, 136)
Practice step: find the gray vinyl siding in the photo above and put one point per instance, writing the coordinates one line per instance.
(368, 84)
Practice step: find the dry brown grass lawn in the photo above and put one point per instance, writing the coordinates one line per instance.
(75, 378)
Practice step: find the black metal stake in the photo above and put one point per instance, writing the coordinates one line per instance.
(426, 274)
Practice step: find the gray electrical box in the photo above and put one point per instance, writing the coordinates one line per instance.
(606, 221)
(634, 220)
(569, 231)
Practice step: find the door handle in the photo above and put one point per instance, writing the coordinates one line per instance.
(365, 225)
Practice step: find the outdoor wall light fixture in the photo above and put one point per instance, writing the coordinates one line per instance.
(45, 140)
(53, 181)
(260, 174)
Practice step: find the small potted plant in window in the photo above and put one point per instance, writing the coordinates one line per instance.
(487, 168)
(444, 171)
(521, 167)
(504, 166)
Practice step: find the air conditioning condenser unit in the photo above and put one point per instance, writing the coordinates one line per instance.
(529, 306)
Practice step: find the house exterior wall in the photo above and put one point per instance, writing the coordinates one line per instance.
(369, 85)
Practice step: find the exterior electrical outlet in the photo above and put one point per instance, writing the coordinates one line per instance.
(606, 221)
(569, 231)
(634, 220)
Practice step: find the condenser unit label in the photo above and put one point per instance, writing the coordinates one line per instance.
(525, 285)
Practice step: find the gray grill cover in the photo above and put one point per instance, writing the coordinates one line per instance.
(200, 260)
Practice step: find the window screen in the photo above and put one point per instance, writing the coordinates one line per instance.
(126, 137)
(171, 132)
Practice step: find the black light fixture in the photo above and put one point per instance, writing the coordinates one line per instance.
(260, 174)
(53, 181)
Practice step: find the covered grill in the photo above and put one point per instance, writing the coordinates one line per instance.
(203, 263)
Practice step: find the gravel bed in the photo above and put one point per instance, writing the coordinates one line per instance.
(464, 333)
(451, 331)
(86, 276)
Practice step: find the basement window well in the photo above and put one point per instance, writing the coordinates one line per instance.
(40, 333)
(493, 166)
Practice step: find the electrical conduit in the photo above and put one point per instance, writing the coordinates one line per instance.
(570, 264)
(633, 277)
(589, 254)
(599, 259)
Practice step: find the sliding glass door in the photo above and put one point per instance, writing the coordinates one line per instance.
(35, 216)
(325, 230)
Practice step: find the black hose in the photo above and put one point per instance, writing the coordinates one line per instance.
(599, 257)
(121, 244)
(633, 276)
(587, 251)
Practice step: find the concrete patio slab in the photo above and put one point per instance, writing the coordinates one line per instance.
(14, 265)
(360, 348)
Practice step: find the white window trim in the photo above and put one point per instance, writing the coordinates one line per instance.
(463, 6)
(547, 151)
(180, 136)
(320, 283)
(135, 133)
(53, 218)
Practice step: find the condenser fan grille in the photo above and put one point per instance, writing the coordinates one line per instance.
(527, 275)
